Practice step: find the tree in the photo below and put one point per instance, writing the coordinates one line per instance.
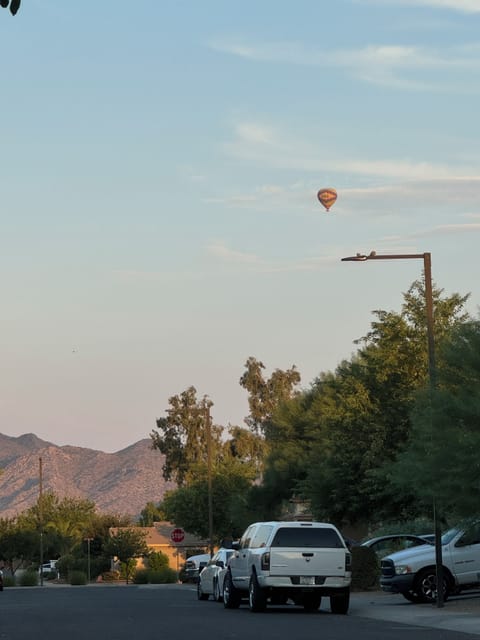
(63, 522)
(266, 394)
(126, 545)
(334, 444)
(14, 5)
(441, 459)
(149, 514)
(188, 505)
(18, 545)
(183, 436)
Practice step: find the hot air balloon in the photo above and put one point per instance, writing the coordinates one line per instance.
(327, 197)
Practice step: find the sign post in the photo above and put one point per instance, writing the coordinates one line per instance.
(176, 536)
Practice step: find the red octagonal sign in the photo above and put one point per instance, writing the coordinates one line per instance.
(177, 535)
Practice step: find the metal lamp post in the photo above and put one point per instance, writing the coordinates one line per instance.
(88, 541)
(427, 266)
(208, 429)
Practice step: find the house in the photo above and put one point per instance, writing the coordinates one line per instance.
(159, 538)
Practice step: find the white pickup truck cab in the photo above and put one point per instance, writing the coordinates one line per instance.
(412, 572)
(279, 561)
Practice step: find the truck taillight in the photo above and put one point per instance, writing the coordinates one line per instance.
(348, 562)
(265, 561)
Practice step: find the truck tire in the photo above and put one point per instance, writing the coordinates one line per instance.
(426, 585)
(200, 594)
(312, 601)
(412, 597)
(217, 596)
(340, 603)
(257, 599)
(231, 595)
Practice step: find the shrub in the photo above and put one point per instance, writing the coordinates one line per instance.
(77, 578)
(50, 575)
(140, 576)
(9, 581)
(365, 568)
(162, 576)
(29, 579)
(418, 526)
(157, 560)
(110, 576)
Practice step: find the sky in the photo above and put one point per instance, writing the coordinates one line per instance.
(159, 168)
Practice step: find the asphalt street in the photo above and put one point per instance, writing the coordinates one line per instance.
(173, 612)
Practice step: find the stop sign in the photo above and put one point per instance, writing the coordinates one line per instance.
(177, 535)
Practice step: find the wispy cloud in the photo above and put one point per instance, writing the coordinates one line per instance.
(279, 150)
(396, 66)
(220, 250)
(256, 264)
(463, 6)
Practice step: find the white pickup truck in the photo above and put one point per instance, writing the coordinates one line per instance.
(279, 561)
(412, 571)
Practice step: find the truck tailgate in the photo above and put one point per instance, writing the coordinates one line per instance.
(307, 562)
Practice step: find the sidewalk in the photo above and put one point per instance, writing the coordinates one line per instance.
(459, 613)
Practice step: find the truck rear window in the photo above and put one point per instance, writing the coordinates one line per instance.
(315, 537)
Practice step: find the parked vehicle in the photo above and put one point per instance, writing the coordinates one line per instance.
(194, 565)
(279, 561)
(385, 545)
(412, 572)
(49, 567)
(210, 581)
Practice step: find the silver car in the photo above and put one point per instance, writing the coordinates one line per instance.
(210, 581)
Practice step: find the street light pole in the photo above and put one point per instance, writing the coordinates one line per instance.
(40, 514)
(432, 374)
(88, 541)
(208, 428)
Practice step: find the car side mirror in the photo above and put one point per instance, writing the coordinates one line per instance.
(220, 563)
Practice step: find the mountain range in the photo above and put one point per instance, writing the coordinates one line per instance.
(119, 483)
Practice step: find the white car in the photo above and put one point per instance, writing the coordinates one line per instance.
(210, 582)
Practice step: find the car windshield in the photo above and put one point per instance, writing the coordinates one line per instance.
(449, 535)
(314, 537)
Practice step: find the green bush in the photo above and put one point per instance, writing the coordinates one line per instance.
(50, 575)
(29, 579)
(162, 576)
(418, 526)
(77, 578)
(157, 560)
(140, 576)
(365, 569)
(9, 581)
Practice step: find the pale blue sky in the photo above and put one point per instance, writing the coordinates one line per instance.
(159, 168)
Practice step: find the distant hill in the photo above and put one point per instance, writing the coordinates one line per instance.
(120, 483)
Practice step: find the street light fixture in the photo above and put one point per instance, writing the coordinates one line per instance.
(427, 267)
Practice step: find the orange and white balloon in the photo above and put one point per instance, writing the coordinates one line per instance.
(327, 197)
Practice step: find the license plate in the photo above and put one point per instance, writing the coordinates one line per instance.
(307, 580)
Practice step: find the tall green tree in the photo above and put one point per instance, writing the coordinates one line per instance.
(441, 460)
(188, 505)
(265, 394)
(357, 419)
(183, 436)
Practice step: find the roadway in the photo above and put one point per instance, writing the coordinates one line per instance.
(172, 612)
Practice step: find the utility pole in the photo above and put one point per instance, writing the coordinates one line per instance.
(40, 515)
(208, 429)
